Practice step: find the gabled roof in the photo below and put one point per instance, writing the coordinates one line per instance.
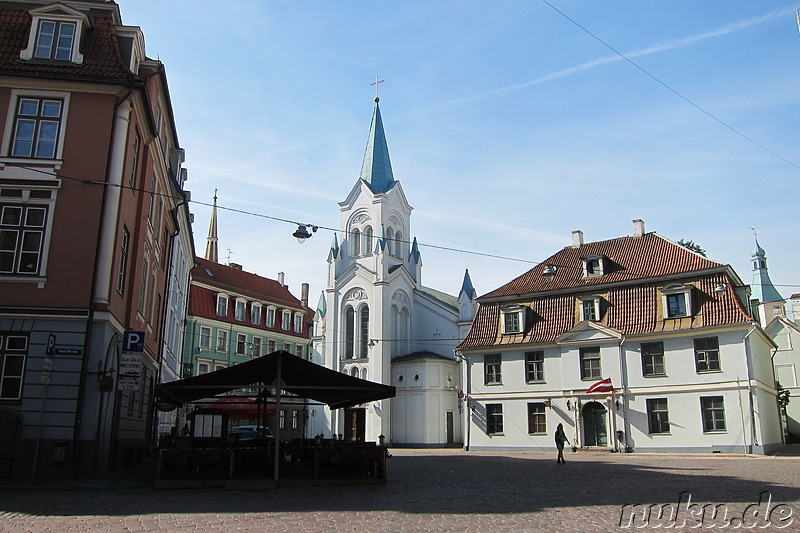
(235, 281)
(376, 170)
(102, 60)
(421, 356)
(630, 259)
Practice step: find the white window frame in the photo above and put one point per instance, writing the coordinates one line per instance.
(256, 346)
(208, 365)
(298, 322)
(240, 309)
(507, 313)
(286, 320)
(589, 264)
(201, 344)
(677, 289)
(6, 376)
(593, 303)
(8, 132)
(222, 341)
(271, 316)
(241, 344)
(255, 313)
(49, 14)
(222, 300)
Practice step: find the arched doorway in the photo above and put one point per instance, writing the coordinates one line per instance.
(594, 425)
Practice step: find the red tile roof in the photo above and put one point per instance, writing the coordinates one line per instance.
(234, 282)
(102, 59)
(630, 308)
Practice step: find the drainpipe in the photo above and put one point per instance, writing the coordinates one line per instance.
(623, 376)
(780, 408)
(748, 360)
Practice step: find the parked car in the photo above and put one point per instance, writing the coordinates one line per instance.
(249, 434)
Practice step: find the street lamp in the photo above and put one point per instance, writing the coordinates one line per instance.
(301, 234)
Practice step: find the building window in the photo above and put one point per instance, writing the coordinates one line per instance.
(270, 317)
(222, 341)
(123, 260)
(283, 419)
(295, 419)
(537, 420)
(590, 309)
(590, 363)
(364, 330)
(205, 338)
(491, 369)
(241, 307)
(286, 320)
(241, 344)
(593, 265)
(356, 243)
(713, 409)
(134, 158)
(349, 332)
(298, 350)
(298, 322)
(36, 128)
(270, 346)
(255, 314)
(54, 40)
(706, 352)
(653, 359)
(494, 418)
(143, 287)
(222, 305)
(13, 350)
(513, 319)
(287, 347)
(256, 346)
(657, 415)
(22, 236)
(399, 246)
(677, 300)
(367, 241)
(534, 367)
(202, 368)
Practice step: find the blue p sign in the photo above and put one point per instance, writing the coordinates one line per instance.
(133, 341)
(51, 345)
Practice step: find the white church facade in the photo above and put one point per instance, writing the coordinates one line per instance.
(376, 320)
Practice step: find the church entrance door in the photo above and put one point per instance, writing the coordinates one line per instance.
(354, 424)
(450, 428)
(594, 425)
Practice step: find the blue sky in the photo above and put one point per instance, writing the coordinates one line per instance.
(508, 125)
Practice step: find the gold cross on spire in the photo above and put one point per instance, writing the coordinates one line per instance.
(375, 83)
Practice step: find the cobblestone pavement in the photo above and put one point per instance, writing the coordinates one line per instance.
(443, 490)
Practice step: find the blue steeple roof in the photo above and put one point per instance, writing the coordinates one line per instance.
(322, 306)
(762, 288)
(376, 170)
(466, 286)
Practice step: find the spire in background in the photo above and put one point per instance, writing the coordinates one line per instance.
(212, 254)
(762, 288)
(466, 286)
(376, 170)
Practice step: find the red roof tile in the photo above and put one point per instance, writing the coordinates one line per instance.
(630, 308)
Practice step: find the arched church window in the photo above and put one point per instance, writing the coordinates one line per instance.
(364, 373)
(398, 245)
(355, 247)
(364, 330)
(367, 241)
(349, 332)
(390, 241)
(354, 371)
(393, 331)
(405, 324)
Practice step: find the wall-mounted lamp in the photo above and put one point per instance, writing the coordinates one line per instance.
(548, 403)
(301, 234)
(569, 405)
(372, 342)
(721, 287)
(549, 270)
(616, 402)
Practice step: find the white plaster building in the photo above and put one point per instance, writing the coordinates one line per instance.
(376, 320)
(688, 367)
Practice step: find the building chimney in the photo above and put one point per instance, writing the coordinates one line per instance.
(280, 279)
(304, 294)
(235, 266)
(638, 227)
(577, 238)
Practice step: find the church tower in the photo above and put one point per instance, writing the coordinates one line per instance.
(376, 321)
(766, 301)
(212, 253)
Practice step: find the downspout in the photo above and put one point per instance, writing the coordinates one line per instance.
(623, 376)
(780, 407)
(748, 361)
(110, 193)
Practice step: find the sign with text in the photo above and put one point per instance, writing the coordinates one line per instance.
(133, 341)
(130, 365)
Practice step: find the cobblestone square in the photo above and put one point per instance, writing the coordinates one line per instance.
(440, 490)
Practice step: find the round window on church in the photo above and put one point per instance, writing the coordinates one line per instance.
(400, 378)
(416, 377)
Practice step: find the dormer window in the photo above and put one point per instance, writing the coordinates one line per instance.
(677, 300)
(590, 308)
(513, 319)
(222, 305)
(55, 34)
(593, 265)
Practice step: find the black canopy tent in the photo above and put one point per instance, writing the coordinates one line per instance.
(288, 373)
(296, 375)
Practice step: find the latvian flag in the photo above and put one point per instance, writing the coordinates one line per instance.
(604, 385)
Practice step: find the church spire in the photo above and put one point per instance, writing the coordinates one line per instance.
(211, 242)
(376, 170)
(762, 288)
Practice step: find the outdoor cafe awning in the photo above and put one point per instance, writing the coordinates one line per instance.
(298, 376)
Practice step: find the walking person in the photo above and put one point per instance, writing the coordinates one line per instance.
(561, 437)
